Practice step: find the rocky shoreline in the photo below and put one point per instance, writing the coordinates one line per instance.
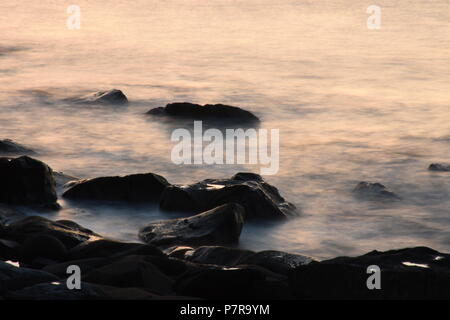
(186, 258)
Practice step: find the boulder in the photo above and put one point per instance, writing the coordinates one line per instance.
(411, 273)
(8, 146)
(204, 112)
(260, 199)
(374, 191)
(112, 97)
(42, 246)
(221, 225)
(27, 181)
(223, 256)
(109, 248)
(131, 271)
(66, 231)
(14, 278)
(132, 188)
(439, 167)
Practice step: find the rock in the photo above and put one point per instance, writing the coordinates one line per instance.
(219, 283)
(27, 181)
(131, 271)
(133, 188)
(113, 97)
(177, 251)
(206, 112)
(412, 273)
(276, 261)
(439, 167)
(110, 248)
(375, 190)
(8, 146)
(86, 266)
(221, 225)
(260, 199)
(14, 278)
(63, 180)
(217, 255)
(68, 232)
(42, 246)
(8, 213)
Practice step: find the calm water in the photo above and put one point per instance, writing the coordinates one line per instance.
(351, 104)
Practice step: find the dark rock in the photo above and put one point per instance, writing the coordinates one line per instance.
(42, 246)
(14, 278)
(222, 256)
(439, 167)
(109, 248)
(133, 188)
(177, 251)
(63, 180)
(260, 199)
(113, 97)
(276, 261)
(374, 191)
(131, 271)
(68, 232)
(199, 112)
(27, 181)
(219, 283)
(10, 147)
(413, 273)
(86, 266)
(221, 225)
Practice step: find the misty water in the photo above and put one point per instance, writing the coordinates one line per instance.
(351, 104)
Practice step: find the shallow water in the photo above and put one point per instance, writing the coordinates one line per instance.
(351, 104)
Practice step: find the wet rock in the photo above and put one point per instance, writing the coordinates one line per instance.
(68, 232)
(86, 266)
(205, 112)
(177, 251)
(217, 255)
(8, 146)
(132, 188)
(27, 181)
(63, 180)
(260, 199)
(110, 248)
(439, 167)
(412, 273)
(14, 278)
(42, 246)
(112, 97)
(221, 225)
(375, 190)
(276, 261)
(131, 271)
(219, 283)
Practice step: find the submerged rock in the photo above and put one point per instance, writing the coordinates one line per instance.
(132, 188)
(221, 225)
(412, 273)
(27, 181)
(260, 199)
(205, 112)
(114, 97)
(374, 190)
(439, 167)
(9, 146)
(66, 231)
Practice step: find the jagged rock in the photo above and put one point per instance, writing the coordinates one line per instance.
(132, 188)
(205, 112)
(439, 167)
(221, 225)
(27, 181)
(8, 146)
(374, 191)
(260, 199)
(114, 97)
(14, 278)
(412, 273)
(66, 231)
